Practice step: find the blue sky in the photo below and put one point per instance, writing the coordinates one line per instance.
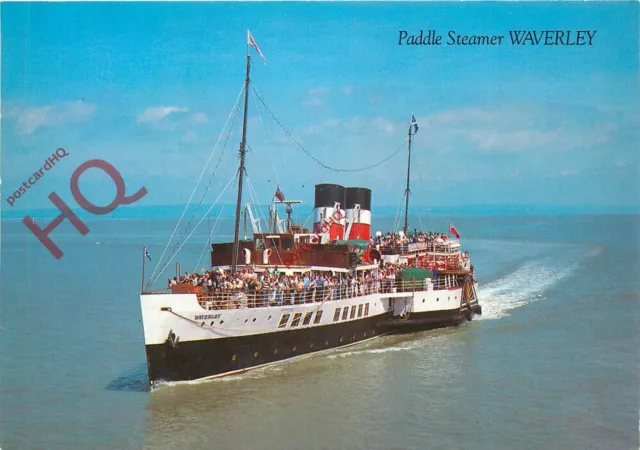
(149, 86)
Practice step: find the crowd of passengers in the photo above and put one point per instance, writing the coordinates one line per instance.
(401, 239)
(308, 286)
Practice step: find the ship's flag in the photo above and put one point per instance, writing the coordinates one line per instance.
(279, 195)
(414, 124)
(252, 42)
(452, 230)
(146, 253)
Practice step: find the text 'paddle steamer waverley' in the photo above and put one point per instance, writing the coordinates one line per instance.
(290, 291)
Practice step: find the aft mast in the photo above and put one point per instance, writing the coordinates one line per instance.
(243, 143)
(407, 191)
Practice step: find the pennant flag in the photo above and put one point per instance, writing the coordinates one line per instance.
(279, 195)
(146, 253)
(252, 42)
(414, 124)
(452, 230)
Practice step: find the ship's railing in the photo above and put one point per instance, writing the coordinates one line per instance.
(233, 299)
(420, 247)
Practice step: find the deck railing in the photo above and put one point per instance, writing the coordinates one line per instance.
(419, 247)
(233, 299)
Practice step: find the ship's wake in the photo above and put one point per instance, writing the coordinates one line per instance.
(528, 283)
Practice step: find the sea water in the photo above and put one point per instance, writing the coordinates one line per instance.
(552, 363)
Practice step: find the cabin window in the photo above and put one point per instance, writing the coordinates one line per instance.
(296, 319)
(336, 315)
(360, 310)
(345, 313)
(283, 320)
(259, 244)
(287, 243)
(318, 317)
(307, 318)
(366, 309)
(273, 243)
(353, 312)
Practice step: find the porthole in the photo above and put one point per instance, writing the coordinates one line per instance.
(456, 297)
(326, 342)
(211, 323)
(340, 338)
(255, 355)
(275, 351)
(311, 345)
(294, 348)
(448, 298)
(246, 320)
(221, 322)
(437, 299)
(233, 358)
(365, 334)
(269, 318)
(422, 300)
(354, 336)
(202, 324)
(254, 319)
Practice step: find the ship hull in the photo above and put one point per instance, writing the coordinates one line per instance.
(213, 358)
(184, 342)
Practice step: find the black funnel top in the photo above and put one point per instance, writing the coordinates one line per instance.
(328, 194)
(360, 196)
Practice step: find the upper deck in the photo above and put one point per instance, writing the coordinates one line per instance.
(443, 247)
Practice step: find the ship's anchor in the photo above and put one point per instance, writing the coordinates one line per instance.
(172, 340)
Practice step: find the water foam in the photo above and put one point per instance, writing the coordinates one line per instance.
(525, 285)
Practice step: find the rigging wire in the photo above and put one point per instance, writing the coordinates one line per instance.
(195, 228)
(211, 232)
(260, 212)
(396, 222)
(197, 184)
(264, 132)
(334, 169)
(418, 166)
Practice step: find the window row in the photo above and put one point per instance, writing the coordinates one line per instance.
(284, 320)
(345, 312)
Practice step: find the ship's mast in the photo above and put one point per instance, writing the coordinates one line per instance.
(407, 191)
(243, 142)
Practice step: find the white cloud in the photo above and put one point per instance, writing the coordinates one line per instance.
(313, 102)
(347, 90)
(28, 120)
(515, 128)
(314, 97)
(318, 90)
(384, 126)
(198, 118)
(157, 113)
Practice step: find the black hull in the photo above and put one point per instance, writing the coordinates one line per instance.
(211, 358)
(427, 320)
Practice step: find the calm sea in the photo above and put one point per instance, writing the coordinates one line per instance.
(553, 363)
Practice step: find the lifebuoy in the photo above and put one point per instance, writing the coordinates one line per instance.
(314, 239)
(265, 256)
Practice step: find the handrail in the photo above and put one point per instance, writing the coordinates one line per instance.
(235, 299)
(410, 249)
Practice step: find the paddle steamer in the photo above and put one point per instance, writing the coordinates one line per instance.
(290, 291)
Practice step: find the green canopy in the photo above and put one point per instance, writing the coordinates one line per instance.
(414, 273)
(359, 243)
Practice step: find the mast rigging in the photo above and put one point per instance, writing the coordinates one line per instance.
(243, 144)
